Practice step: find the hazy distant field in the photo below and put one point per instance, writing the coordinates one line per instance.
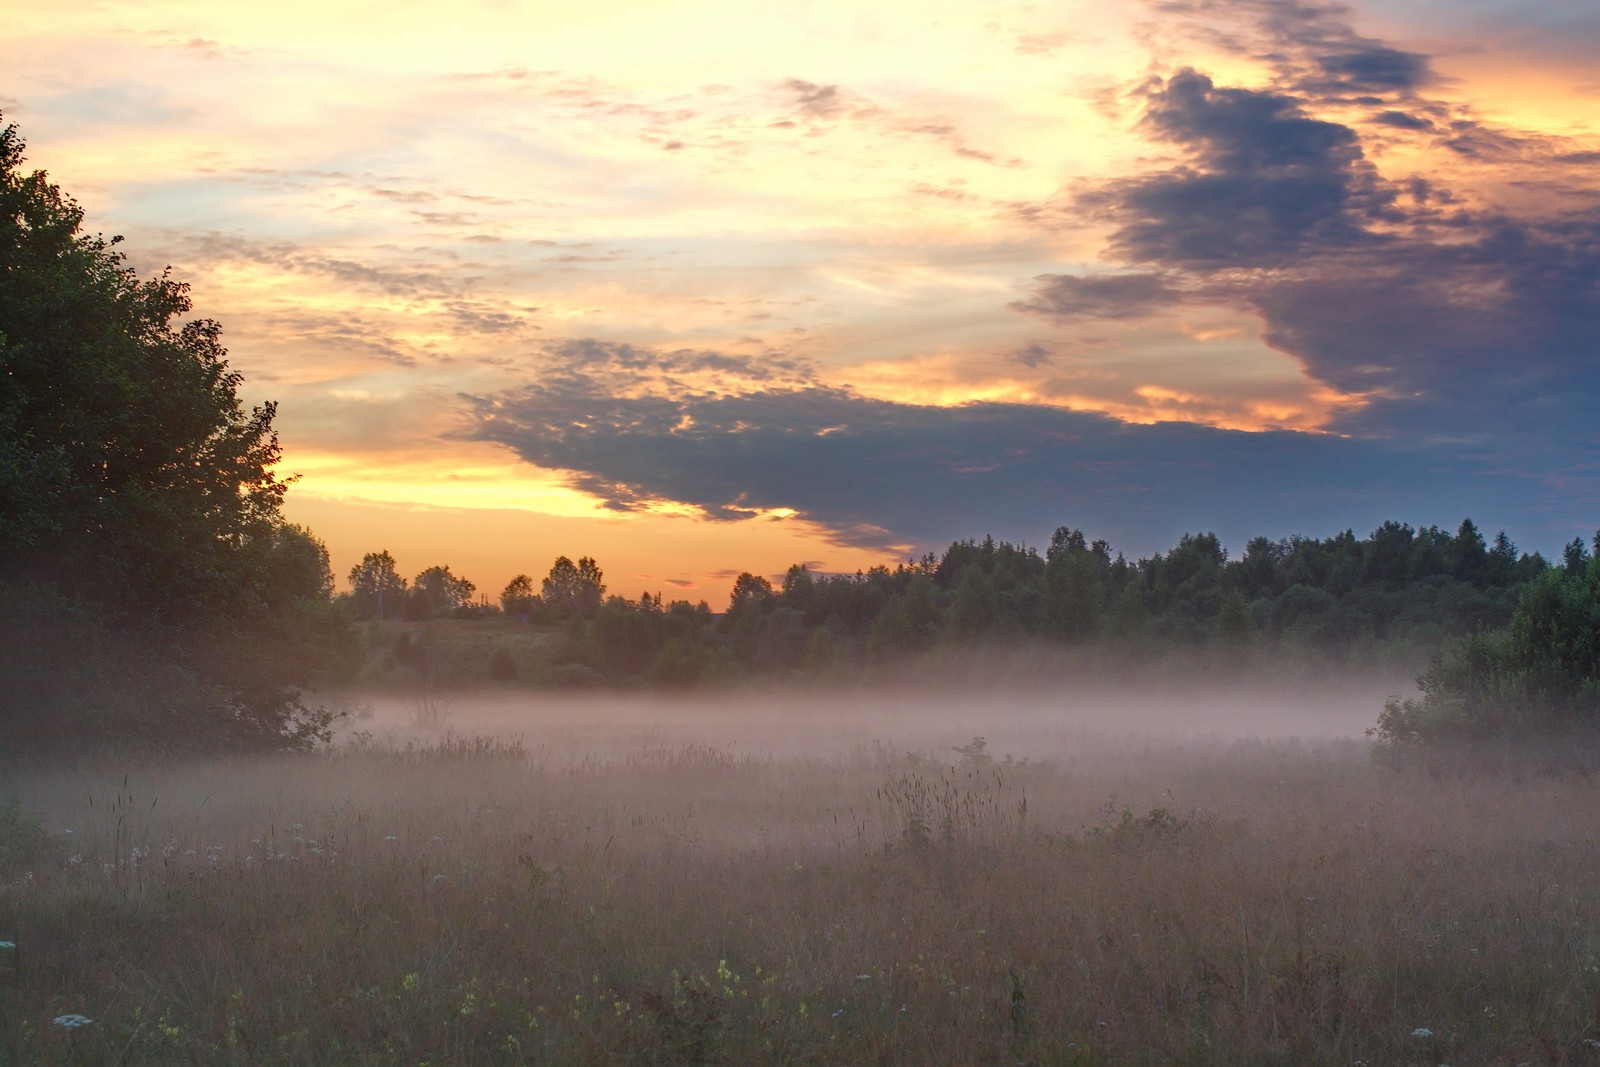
(1164, 879)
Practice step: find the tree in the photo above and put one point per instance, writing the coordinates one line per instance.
(298, 567)
(518, 596)
(1075, 577)
(1540, 675)
(440, 592)
(130, 473)
(141, 542)
(1469, 556)
(629, 635)
(972, 610)
(1575, 557)
(751, 593)
(376, 588)
(574, 590)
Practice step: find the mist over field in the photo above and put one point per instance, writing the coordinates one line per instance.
(1138, 874)
(1020, 722)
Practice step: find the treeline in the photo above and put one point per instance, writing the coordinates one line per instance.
(1397, 594)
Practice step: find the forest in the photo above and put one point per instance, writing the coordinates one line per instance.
(1397, 594)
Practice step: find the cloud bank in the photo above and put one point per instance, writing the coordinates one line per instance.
(898, 477)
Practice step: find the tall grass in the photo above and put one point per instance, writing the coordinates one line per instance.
(480, 902)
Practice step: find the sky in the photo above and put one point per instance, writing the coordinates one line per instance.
(709, 287)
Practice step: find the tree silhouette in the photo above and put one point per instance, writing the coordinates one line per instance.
(517, 597)
(376, 589)
(574, 590)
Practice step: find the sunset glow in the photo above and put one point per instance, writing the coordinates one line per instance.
(704, 288)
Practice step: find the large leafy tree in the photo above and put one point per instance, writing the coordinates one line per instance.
(139, 510)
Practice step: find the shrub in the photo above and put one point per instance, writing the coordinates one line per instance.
(1539, 676)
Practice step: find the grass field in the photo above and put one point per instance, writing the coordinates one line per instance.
(632, 892)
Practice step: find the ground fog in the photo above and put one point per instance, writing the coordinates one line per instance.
(1100, 877)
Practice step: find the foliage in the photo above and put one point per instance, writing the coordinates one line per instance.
(376, 588)
(1389, 600)
(1540, 675)
(145, 570)
(574, 590)
(437, 593)
(518, 597)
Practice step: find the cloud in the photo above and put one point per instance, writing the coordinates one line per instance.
(1308, 44)
(215, 249)
(824, 101)
(1456, 317)
(1402, 120)
(1377, 69)
(1032, 355)
(1491, 332)
(820, 107)
(886, 475)
(1064, 298)
(1264, 181)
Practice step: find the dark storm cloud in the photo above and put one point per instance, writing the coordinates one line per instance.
(1493, 333)
(1447, 316)
(881, 474)
(1264, 181)
(1309, 45)
(1456, 320)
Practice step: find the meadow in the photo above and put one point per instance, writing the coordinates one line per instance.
(917, 879)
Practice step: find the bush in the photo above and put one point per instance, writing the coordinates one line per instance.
(1538, 677)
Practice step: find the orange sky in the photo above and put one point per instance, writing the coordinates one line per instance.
(388, 208)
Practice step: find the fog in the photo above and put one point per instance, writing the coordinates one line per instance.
(1036, 723)
(1142, 871)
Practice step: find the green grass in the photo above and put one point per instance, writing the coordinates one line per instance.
(475, 902)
